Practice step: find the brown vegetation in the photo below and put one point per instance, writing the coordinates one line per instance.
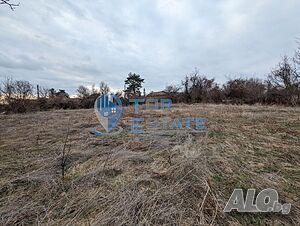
(282, 87)
(157, 178)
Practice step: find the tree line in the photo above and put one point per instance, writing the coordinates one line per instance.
(281, 86)
(19, 96)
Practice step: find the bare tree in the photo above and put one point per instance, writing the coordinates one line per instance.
(285, 75)
(297, 58)
(11, 5)
(16, 95)
(197, 88)
(172, 89)
(83, 92)
(44, 92)
(104, 89)
(7, 89)
(186, 93)
(93, 90)
(286, 78)
(23, 90)
(172, 92)
(247, 91)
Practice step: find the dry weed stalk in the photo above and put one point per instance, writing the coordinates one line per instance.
(65, 152)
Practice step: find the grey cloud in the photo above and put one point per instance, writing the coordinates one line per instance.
(22, 62)
(83, 42)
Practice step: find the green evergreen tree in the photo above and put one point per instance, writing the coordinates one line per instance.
(133, 84)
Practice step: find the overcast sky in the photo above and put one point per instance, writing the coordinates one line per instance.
(63, 44)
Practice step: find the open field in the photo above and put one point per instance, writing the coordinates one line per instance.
(157, 178)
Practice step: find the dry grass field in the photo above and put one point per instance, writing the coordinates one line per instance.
(176, 177)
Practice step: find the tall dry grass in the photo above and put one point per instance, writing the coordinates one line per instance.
(156, 178)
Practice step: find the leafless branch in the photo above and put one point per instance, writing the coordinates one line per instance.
(11, 5)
